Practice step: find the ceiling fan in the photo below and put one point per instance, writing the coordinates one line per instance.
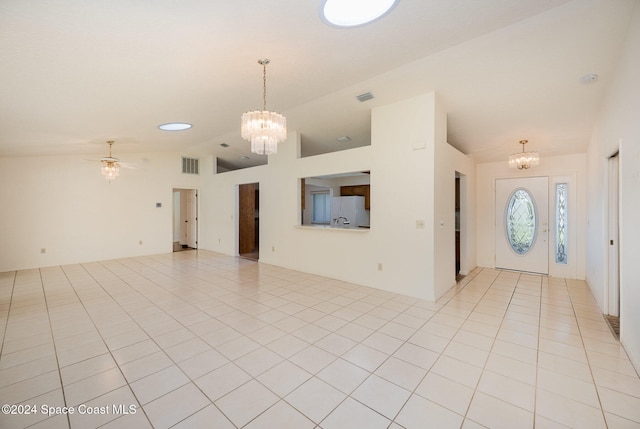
(111, 165)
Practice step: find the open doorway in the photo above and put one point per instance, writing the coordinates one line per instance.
(613, 292)
(249, 221)
(460, 212)
(185, 219)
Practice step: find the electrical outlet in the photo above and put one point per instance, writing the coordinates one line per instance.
(273, 248)
(43, 250)
(379, 266)
(140, 242)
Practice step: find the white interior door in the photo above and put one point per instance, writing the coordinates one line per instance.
(522, 224)
(191, 217)
(614, 264)
(185, 217)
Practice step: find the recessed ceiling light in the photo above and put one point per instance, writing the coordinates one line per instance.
(245, 157)
(351, 13)
(344, 139)
(175, 126)
(224, 145)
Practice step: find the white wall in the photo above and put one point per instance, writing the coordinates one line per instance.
(405, 138)
(619, 128)
(64, 205)
(569, 169)
(450, 161)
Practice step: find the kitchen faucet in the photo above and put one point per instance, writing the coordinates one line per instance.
(346, 221)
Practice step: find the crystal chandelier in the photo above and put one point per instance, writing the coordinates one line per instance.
(524, 160)
(264, 129)
(110, 165)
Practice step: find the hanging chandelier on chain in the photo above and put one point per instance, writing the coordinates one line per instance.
(264, 129)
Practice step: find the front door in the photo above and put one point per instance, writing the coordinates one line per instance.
(522, 224)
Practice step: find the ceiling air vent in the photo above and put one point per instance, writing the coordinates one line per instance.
(364, 97)
(190, 165)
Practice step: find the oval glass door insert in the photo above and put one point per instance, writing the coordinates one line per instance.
(521, 221)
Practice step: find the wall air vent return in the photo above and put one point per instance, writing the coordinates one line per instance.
(190, 165)
(364, 97)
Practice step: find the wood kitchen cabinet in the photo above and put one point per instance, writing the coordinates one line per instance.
(357, 190)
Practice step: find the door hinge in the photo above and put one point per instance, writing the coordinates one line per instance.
(611, 242)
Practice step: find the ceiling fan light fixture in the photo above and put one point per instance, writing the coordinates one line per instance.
(352, 13)
(110, 166)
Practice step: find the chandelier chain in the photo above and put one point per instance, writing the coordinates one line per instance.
(264, 86)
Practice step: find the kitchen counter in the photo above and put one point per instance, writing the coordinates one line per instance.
(333, 228)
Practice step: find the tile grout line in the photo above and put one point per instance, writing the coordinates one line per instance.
(475, 389)
(55, 347)
(236, 290)
(392, 420)
(115, 300)
(413, 392)
(6, 326)
(535, 387)
(110, 351)
(214, 348)
(586, 355)
(371, 373)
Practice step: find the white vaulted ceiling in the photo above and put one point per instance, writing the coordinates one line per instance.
(75, 73)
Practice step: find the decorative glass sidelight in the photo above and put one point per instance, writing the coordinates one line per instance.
(521, 221)
(561, 223)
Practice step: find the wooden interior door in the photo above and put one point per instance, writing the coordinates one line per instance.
(246, 218)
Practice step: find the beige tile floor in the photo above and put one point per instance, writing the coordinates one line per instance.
(201, 340)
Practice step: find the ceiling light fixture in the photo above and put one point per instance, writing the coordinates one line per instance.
(110, 165)
(351, 13)
(524, 160)
(175, 126)
(264, 129)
